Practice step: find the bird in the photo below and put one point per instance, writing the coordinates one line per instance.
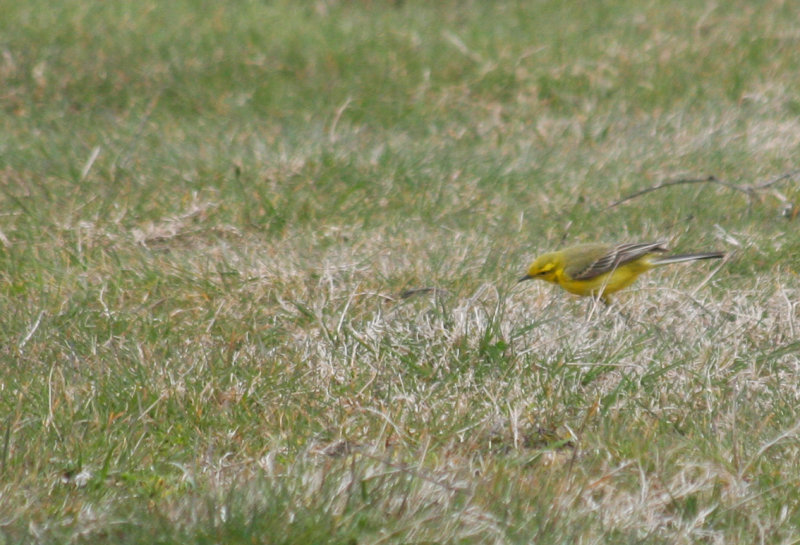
(598, 270)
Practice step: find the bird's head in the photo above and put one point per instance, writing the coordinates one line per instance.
(543, 268)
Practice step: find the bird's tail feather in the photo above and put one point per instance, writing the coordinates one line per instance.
(686, 257)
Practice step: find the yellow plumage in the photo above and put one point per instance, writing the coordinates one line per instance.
(599, 270)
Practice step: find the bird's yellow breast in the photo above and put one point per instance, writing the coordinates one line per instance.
(604, 284)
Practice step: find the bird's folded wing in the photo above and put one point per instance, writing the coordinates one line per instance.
(616, 256)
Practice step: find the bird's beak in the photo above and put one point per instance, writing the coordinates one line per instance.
(526, 277)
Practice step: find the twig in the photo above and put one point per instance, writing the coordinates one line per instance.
(749, 190)
(709, 179)
(780, 178)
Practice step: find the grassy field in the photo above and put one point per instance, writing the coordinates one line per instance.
(258, 268)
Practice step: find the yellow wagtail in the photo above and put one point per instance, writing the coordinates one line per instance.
(602, 269)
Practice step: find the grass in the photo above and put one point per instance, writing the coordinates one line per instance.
(258, 263)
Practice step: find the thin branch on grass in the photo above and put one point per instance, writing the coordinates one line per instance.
(749, 190)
